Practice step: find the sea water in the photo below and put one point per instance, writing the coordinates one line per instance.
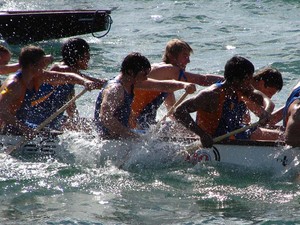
(84, 187)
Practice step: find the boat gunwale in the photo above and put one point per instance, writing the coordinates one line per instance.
(50, 12)
(226, 142)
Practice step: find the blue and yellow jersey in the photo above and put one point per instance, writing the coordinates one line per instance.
(228, 117)
(122, 113)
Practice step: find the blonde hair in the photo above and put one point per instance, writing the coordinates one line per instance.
(174, 47)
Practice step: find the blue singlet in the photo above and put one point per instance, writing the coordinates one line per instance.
(233, 112)
(293, 96)
(122, 113)
(48, 100)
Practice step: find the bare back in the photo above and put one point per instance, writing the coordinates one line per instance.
(293, 124)
(12, 93)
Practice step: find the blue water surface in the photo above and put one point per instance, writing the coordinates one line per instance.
(80, 189)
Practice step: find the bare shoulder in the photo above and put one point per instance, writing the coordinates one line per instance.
(11, 91)
(114, 92)
(164, 71)
(211, 91)
(60, 67)
(159, 65)
(294, 110)
(208, 98)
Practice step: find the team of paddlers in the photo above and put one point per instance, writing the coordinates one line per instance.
(129, 102)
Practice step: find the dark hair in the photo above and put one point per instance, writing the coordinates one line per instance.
(271, 77)
(135, 62)
(73, 50)
(30, 55)
(238, 68)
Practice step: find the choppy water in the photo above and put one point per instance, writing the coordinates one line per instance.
(81, 188)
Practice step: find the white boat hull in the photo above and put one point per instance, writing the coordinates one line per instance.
(254, 155)
(40, 146)
(165, 152)
(156, 153)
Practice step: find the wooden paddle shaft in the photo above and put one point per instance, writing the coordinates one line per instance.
(222, 137)
(62, 109)
(174, 106)
(193, 147)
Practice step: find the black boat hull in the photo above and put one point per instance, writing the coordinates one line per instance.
(21, 27)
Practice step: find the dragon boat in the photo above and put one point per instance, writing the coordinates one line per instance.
(161, 151)
(275, 157)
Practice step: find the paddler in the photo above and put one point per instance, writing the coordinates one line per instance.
(19, 91)
(221, 107)
(291, 117)
(75, 58)
(113, 105)
(269, 81)
(173, 67)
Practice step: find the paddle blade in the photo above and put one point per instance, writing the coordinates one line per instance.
(193, 147)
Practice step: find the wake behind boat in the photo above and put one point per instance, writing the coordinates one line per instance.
(21, 27)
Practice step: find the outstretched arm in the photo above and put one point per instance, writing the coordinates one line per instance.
(203, 79)
(165, 85)
(170, 72)
(59, 78)
(9, 68)
(97, 82)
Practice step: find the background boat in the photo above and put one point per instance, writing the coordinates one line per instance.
(21, 27)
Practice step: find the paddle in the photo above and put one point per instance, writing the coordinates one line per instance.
(193, 147)
(157, 126)
(47, 121)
